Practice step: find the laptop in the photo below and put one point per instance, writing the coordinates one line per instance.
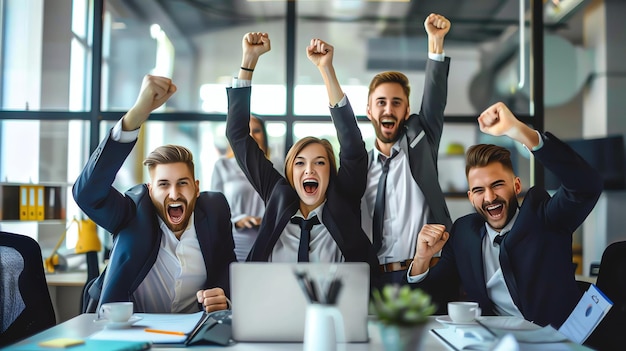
(268, 304)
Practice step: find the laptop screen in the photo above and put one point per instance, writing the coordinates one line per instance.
(269, 305)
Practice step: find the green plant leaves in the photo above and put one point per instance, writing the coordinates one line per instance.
(401, 305)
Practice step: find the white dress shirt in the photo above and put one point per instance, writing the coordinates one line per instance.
(406, 210)
(322, 246)
(175, 277)
(497, 290)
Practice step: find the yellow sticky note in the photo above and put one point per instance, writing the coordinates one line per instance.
(61, 342)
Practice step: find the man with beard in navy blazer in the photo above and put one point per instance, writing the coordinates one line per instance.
(513, 260)
(172, 244)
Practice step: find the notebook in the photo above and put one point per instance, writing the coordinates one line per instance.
(268, 304)
(82, 345)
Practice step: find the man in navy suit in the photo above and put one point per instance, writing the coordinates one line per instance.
(172, 244)
(513, 260)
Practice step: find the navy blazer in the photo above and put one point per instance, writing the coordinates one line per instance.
(132, 220)
(341, 215)
(536, 255)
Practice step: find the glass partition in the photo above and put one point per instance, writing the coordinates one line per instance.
(206, 140)
(201, 59)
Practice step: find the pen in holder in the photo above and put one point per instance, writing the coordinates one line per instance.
(323, 327)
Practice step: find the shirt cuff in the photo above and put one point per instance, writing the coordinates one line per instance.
(437, 57)
(122, 136)
(237, 218)
(241, 83)
(343, 102)
(416, 278)
(538, 146)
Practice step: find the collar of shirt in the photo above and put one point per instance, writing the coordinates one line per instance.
(492, 233)
(316, 212)
(377, 152)
(167, 231)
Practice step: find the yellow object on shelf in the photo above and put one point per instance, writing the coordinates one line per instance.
(87, 237)
(88, 241)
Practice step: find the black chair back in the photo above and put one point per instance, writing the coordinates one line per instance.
(25, 304)
(609, 335)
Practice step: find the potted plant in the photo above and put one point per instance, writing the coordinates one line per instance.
(402, 313)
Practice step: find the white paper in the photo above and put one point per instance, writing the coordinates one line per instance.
(543, 335)
(586, 316)
(459, 338)
(178, 322)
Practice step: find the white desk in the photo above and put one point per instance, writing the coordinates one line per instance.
(82, 326)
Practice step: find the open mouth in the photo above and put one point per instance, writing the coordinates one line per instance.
(388, 122)
(495, 210)
(310, 186)
(175, 213)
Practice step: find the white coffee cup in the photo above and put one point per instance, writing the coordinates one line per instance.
(117, 312)
(463, 311)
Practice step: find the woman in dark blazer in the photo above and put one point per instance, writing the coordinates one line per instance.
(313, 185)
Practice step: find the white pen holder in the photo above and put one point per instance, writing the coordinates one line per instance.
(323, 328)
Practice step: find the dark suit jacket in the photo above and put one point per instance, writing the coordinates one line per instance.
(421, 138)
(536, 255)
(133, 221)
(341, 214)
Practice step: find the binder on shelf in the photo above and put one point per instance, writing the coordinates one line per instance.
(32, 203)
(52, 203)
(39, 202)
(10, 206)
(24, 202)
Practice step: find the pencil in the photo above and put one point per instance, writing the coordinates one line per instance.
(163, 331)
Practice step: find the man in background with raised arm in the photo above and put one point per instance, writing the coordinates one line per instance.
(403, 191)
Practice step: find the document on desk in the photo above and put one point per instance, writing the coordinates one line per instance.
(586, 316)
(166, 328)
(466, 338)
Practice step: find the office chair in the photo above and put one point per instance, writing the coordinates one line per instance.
(609, 335)
(25, 304)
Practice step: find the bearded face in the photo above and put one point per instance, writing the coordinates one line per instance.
(388, 110)
(174, 191)
(493, 193)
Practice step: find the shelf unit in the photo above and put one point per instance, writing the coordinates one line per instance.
(18, 203)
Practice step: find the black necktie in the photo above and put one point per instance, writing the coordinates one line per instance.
(379, 206)
(305, 235)
(498, 239)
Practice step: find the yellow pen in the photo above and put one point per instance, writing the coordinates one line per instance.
(163, 331)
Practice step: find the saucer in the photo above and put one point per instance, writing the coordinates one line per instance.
(119, 325)
(446, 320)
